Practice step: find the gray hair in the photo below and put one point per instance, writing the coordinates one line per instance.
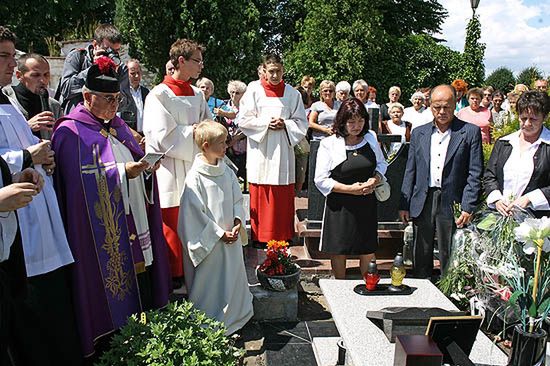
(418, 95)
(206, 81)
(396, 105)
(361, 82)
(343, 86)
(236, 85)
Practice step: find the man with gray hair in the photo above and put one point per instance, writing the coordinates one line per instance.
(444, 170)
(31, 96)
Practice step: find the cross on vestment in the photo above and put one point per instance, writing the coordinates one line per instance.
(117, 281)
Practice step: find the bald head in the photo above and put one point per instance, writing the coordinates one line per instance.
(443, 101)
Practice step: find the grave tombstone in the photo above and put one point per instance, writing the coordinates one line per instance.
(316, 200)
(388, 211)
(373, 118)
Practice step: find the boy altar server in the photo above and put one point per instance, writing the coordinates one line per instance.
(273, 118)
(212, 231)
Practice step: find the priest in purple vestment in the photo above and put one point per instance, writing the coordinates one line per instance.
(110, 206)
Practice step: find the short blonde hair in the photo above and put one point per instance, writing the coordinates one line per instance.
(209, 131)
(327, 84)
(395, 89)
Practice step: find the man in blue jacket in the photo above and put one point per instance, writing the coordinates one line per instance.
(444, 168)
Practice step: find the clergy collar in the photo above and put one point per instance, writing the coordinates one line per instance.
(544, 136)
(207, 169)
(22, 90)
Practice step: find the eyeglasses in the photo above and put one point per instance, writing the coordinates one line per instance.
(486, 94)
(327, 91)
(235, 92)
(111, 99)
(200, 62)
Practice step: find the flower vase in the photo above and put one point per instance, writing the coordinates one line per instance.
(279, 282)
(528, 349)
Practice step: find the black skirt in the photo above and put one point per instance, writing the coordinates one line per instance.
(350, 223)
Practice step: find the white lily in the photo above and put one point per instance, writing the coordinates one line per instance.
(534, 232)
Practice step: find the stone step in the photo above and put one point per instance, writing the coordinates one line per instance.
(325, 350)
(268, 305)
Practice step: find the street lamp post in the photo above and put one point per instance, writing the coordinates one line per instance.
(474, 4)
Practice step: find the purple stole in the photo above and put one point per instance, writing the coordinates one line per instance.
(117, 253)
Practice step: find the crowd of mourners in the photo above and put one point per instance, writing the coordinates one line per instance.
(115, 196)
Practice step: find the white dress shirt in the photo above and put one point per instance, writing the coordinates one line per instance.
(136, 94)
(438, 151)
(517, 172)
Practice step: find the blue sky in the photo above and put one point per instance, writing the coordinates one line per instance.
(516, 32)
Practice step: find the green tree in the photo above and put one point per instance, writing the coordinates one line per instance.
(33, 21)
(228, 30)
(528, 76)
(501, 79)
(472, 67)
(279, 20)
(371, 40)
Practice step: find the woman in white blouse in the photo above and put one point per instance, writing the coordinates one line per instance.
(414, 114)
(518, 171)
(349, 166)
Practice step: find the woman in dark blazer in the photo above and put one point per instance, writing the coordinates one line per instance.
(518, 172)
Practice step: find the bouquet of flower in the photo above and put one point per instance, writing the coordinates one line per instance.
(279, 260)
(530, 287)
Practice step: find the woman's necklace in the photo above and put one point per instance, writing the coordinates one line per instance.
(355, 153)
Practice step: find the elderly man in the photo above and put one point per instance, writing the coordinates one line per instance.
(133, 113)
(111, 213)
(48, 325)
(541, 85)
(443, 169)
(107, 42)
(31, 97)
(172, 109)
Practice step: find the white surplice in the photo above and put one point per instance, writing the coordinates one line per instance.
(134, 197)
(214, 271)
(270, 153)
(168, 121)
(42, 232)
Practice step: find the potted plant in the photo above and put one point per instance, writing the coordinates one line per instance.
(278, 272)
(176, 335)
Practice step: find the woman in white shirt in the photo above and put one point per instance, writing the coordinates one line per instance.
(350, 165)
(414, 114)
(518, 171)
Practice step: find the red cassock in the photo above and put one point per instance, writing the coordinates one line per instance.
(271, 212)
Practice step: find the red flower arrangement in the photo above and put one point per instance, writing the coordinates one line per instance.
(279, 260)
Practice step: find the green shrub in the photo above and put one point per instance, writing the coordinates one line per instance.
(177, 335)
